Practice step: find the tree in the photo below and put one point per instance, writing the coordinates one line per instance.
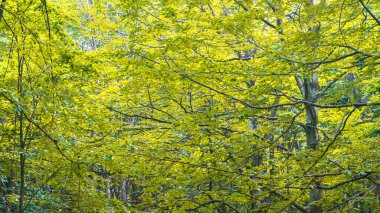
(204, 106)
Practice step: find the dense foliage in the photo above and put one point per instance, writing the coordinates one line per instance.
(190, 106)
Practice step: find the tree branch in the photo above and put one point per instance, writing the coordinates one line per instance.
(211, 202)
(370, 12)
(357, 105)
(2, 9)
(139, 116)
(344, 182)
(55, 141)
(341, 128)
(321, 62)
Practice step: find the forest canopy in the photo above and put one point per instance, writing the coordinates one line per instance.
(190, 106)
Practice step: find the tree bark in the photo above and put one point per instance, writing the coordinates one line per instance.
(309, 88)
(2, 9)
(20, 117)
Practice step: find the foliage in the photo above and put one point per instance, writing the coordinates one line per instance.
(203, 106)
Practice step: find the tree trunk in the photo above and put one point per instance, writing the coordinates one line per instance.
(22, 166)
(20, 117)
(309, 88)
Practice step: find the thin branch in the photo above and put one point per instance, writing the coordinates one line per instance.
(344, 182)
(290, 126)
(180, 105)
(55, 141)
(370, 12)
(321, 62)
(269, 24)
(211, 202)
(40, 188)
(241, 5)
(330, 85)
(361, 194)
(272, 26)
(236, 99)
(139, 116)
(357, 105)
(292, 203)
(155, 108)
(47, 17)
(235, 59)
(323, 175)
(340, 130)
(191, 164)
